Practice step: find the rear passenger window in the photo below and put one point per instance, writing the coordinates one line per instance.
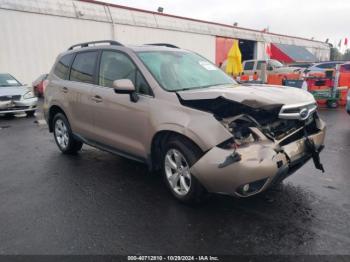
(83, 67)
(62, 67)
(249, 65)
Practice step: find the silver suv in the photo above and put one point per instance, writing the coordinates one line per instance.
(177, 112)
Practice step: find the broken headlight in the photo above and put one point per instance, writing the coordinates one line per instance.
(241, 129)
(242, 134)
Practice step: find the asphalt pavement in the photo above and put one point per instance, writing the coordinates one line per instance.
(98, 203)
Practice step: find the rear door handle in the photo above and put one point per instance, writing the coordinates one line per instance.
(97, 99)
(64, 89)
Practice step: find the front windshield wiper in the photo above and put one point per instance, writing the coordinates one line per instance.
(212, 85)
(185, 89)
(200, 87)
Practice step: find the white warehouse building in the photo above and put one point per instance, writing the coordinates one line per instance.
(34, 32)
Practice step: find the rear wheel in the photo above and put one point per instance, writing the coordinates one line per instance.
(177, 159)
(64, 138)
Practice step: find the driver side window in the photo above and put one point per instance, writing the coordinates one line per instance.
(115, 66)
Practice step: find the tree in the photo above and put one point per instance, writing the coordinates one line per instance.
(335, 54)
(346, 55)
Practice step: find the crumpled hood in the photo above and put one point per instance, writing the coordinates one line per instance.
(13, 90)
(251, 95)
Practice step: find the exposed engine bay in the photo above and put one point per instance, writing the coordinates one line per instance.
(239, 118)
(249, 124)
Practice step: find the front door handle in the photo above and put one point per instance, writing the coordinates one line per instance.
(64, 89)
(97, 99)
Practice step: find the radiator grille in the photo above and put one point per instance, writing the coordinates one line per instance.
(10, 98)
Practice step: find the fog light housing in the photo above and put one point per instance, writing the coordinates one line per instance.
(251, 188)
(245, 188)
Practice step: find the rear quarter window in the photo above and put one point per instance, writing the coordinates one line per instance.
(62, 67)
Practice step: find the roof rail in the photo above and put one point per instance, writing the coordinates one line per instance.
(86, 44)
(164, 44)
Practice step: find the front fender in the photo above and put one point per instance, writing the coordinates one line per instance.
(201, 127)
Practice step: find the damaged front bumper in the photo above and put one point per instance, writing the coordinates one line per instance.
(259, 166)
(18, 106)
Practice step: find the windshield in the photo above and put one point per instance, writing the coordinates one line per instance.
(8, 80)
(176, 70)
(275, 63)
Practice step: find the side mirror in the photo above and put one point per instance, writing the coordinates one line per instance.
(125, 86)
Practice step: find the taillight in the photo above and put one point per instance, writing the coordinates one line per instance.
(45, 83)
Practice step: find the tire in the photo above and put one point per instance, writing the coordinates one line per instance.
(64, 138)
(193, 192)
(332, 104)
(9, 115)
(30, 113)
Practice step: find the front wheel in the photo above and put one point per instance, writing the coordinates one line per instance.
(178, 157)
(64, 138)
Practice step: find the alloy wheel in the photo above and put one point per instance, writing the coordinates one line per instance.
(61, 134)
(177, 172)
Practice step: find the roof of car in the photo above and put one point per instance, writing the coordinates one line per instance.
(326, 62)
(135, 48)
(150, 47)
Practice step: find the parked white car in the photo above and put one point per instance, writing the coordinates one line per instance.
(15, 97)
(323, 66)
(273, 67)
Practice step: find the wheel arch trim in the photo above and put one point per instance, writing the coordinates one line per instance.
(53, 110)
(163, 135)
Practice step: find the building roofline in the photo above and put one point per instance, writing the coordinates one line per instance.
(193, 19)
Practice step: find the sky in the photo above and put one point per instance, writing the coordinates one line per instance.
(320, 19)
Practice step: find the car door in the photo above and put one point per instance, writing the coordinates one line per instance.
(258, 67)
(79, 90)
(120, 123)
